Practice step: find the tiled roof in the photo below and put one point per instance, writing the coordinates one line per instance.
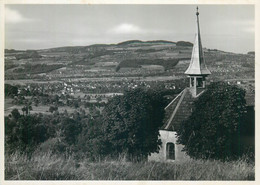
(178, 110)
(181, 108)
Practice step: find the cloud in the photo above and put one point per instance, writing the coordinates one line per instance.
(126, 28)
(246, 25)
(249, 26)
(13, 16)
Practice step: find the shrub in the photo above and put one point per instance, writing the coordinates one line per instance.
(24, 133)
(131, 123)
(11, 90)
(214, 130)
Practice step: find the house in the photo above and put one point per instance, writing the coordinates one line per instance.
(180, 108)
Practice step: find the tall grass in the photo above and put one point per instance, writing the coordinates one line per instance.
(54, 167)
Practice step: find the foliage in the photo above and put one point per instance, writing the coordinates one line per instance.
(53, 108)
(56, 133)
(37, 68)
(131, 123)
(24, 133)
(129, 42)
(251, 53)
(183, 43)
(28, 54)
(135, 63)
(10, 65)
(214, 128)
(56, 167)
(10, 90)
(11, 51)
(70, 130)
(90, 143)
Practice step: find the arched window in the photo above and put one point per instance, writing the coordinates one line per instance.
(170, 151)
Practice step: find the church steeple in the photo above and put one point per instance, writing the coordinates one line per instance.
(197, 70)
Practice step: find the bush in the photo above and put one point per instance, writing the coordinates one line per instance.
(10, 90)
(214, 130)
(131, 123)
(24, 133)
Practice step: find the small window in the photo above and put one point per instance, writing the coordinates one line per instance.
(170, 151)
(199, 82)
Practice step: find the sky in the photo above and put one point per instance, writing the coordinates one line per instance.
(224, 27)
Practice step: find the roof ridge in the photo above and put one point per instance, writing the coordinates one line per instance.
(174, 100)
(176, 108)
(200, 93)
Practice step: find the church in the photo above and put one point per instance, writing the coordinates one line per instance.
(180, 108)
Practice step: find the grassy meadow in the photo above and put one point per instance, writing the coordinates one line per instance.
(54, 167)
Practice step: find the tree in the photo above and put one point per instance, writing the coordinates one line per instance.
(90, 142)
(70, 130)
(53, 108)
(24, 133)
(15, 114)
(11, 90)
(131, 123)
(27, 108)
(214, 128)
(99, 99)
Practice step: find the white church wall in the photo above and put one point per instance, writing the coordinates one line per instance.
(168, 137)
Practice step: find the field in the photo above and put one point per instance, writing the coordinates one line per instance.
(39, 109)
(53, 167)
(127, 59)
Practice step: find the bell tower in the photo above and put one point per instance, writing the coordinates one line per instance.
(197, 70)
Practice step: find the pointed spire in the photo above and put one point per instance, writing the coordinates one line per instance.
(197, 64)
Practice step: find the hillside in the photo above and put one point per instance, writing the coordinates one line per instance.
(129, 58)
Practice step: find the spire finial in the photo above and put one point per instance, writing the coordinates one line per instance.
(197, 13)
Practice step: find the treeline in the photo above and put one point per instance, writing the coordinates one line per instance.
(10, 90)
(136, 63)
(11, 51)
(57, 133)
(28, 54)
(91, 136)
(37, 68)
(147, 50)
(10, 66)
(184, 43)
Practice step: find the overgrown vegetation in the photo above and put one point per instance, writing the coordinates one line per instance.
(10, 90)
(80, 146)
(218, 124)
(55, 167)
(129, 125)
